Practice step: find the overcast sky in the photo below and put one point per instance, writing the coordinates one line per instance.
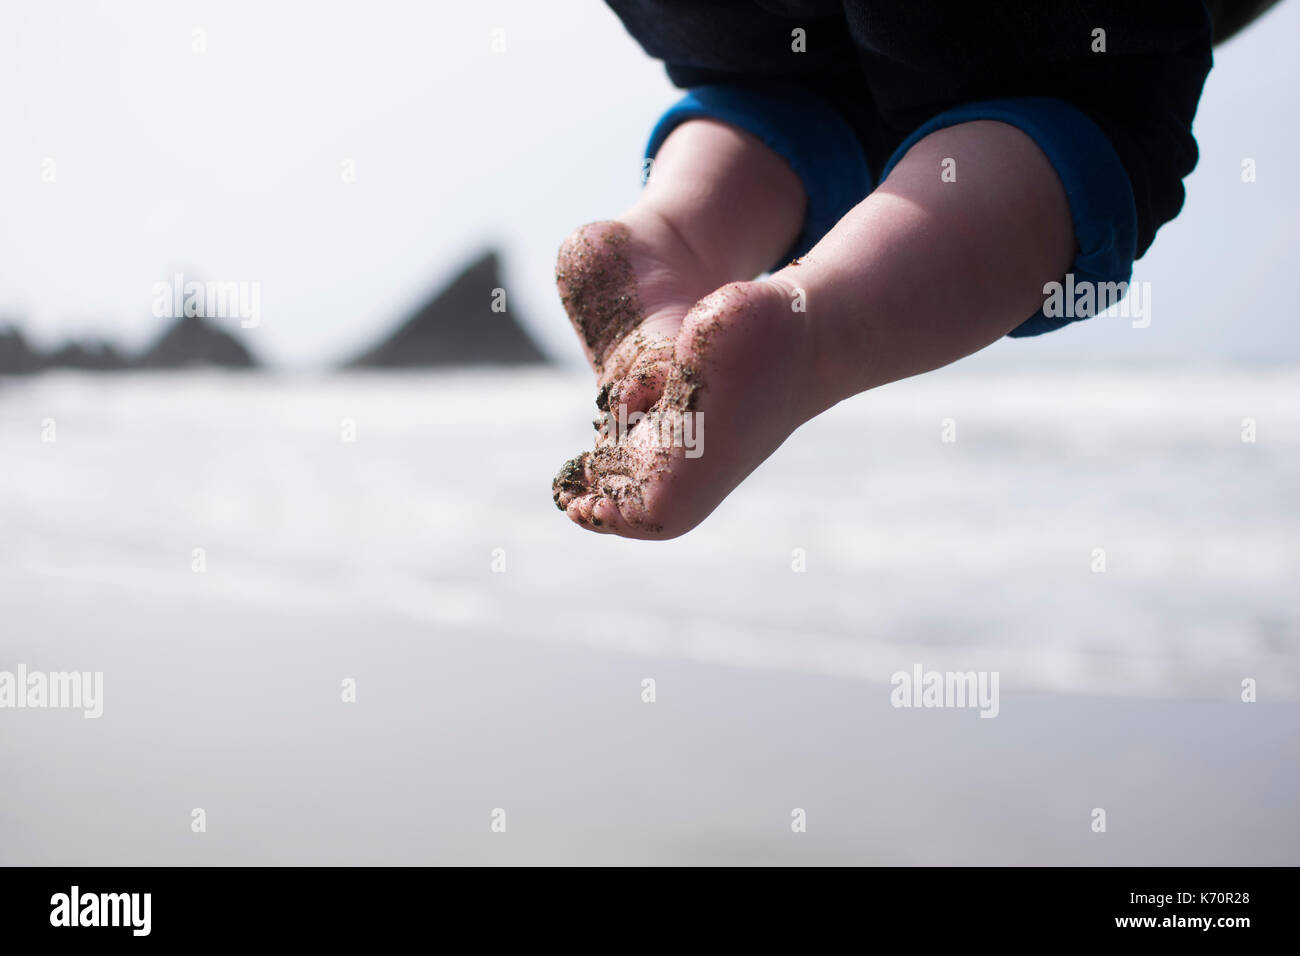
(226, 164)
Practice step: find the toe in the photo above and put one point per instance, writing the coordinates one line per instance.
(572, 481)
(581, 511)
(641, 388)
(607, 518)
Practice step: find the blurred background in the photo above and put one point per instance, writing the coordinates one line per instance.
(364, 471)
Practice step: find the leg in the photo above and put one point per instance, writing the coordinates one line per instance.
(925, 272)
(919, 274)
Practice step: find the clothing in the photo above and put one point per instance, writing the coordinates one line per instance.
(843, 100)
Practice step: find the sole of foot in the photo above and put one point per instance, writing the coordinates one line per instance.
(627, 286)
(738, 382)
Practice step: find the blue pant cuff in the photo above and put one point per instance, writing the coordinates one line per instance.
(1096, 186)
(807, 133)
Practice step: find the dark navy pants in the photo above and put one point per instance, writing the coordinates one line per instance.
(843, 88)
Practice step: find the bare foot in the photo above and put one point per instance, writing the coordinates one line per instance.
(917, 275)
(627, 288)
(741, 377)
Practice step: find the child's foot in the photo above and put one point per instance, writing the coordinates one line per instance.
(917, 275)
(627, 286)
(741, 376)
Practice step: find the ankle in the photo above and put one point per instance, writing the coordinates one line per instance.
(836, 360)
(670, 240)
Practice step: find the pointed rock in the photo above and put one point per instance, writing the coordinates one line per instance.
(16, 356)
(458, 327)
(193, 340)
